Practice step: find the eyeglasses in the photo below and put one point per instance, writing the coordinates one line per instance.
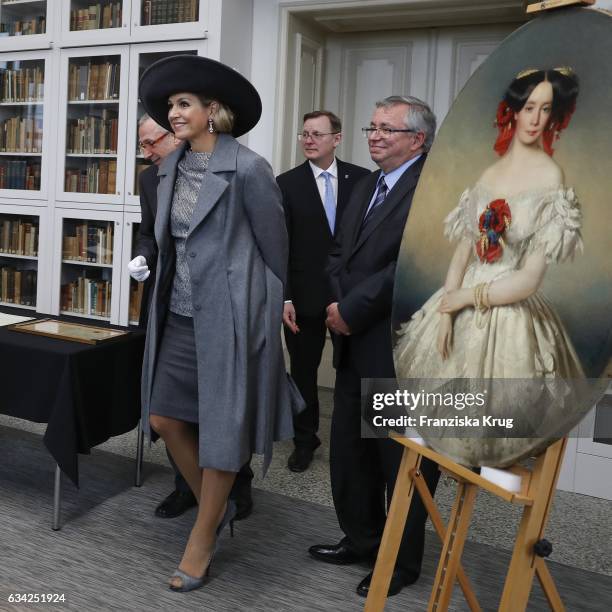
(147, 144)
(384, 132)
(314, 135)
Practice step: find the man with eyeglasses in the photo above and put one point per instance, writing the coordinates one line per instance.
(155, 144)
(361, 270)
(315, 194)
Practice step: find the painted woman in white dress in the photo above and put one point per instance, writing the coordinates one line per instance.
(490, 319)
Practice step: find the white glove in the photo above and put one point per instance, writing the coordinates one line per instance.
(138, 269)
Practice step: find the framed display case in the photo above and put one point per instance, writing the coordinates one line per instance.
(93, 110)
(141, 57)
(26, 24)
(87, 264)
(24, 81)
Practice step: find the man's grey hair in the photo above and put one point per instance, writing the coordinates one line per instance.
(419, 116)
(146, 117)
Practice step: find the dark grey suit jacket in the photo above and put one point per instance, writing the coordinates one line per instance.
(361, 271)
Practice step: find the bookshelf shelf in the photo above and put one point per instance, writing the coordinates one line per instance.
(29, 103)
(73, 313)
(15, 256)
(78, 262)
(93, 155)
(16, 305)
(8, 3)
(100, 102)
(20, 154)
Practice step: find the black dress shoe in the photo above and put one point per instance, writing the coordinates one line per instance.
(399, 579)
(244, 507)
(176, 504)
(300, 459)
(338, 554)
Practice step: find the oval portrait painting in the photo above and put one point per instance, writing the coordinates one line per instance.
(505, 270)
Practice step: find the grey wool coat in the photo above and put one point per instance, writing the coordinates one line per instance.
(237, 257)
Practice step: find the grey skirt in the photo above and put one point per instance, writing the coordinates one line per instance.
(175, 382)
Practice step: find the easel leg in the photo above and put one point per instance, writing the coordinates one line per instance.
(438, 523)
(548, 586)
(454, 541)
(57, 498)
(139, 445)
(522, 566)
(392, 536)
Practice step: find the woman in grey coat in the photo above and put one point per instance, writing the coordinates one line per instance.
(213, 354)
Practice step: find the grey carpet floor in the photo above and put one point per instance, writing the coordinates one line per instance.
(580, 527)
(113, 554)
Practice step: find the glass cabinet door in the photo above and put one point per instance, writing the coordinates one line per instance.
(22, 88)
(90, 246)
(162, 12)
(169, 19)
(94, 22)
(92, 139)
(23, 17)
(142, 56)
(19, 243)
(131, 290)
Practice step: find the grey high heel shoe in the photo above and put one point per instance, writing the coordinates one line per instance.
(190, 583)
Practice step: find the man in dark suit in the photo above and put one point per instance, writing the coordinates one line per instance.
(156, 143)
(362, 270)
(315, 195)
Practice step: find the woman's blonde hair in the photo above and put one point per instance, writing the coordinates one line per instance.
(223, 119)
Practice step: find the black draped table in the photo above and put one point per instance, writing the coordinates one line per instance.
(85, 393)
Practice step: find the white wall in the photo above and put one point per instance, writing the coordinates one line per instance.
(264, 69)
(263, 73)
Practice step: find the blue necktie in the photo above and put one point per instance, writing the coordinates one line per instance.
(378, 200)
(329, 202)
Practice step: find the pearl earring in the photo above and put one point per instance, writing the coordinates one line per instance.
(211, 127)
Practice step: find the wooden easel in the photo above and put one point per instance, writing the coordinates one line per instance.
(536, 495)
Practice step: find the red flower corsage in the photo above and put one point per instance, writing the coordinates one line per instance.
(493, 223)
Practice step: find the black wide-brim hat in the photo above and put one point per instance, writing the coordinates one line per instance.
(199, 75)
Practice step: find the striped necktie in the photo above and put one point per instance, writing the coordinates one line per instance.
(378, 200)
(329, 202)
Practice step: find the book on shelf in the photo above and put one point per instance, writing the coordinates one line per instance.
(90, 241)
(35, 25)
(98, 16)
(93, 81)
(18, 286)
(97, 177)
(19, 175)
(89, 296)
(159, 12)
(22, 85)
(136, 291)
(18, 237)
(21, 134)
(92, 134)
